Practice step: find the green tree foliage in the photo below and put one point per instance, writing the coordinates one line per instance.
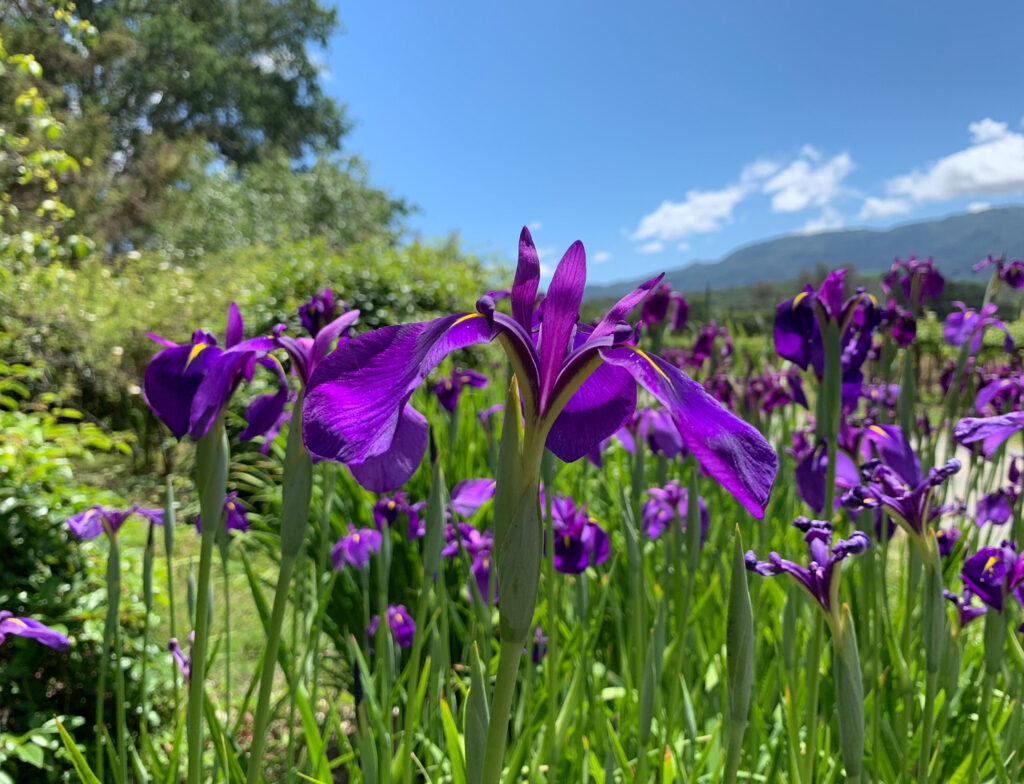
(271, 202)
(33, 160)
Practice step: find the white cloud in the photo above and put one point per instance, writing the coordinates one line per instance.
(829, 220)
(761, 169)
(992, 165)
(683, 246)
(702, 211)
(883, 208)
(535, 225)
(601, 257)
(805, 183)
(978, 206)
(987, 130)
(652, 247)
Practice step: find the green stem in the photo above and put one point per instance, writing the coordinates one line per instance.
(813, 683)
(297, 484)
(501, 707)
(211, 480)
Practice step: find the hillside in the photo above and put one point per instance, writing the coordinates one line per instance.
(956, 243)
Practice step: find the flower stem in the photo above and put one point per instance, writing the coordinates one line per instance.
(813, 683)
(297, 484)
(211, 480)
(501, 708)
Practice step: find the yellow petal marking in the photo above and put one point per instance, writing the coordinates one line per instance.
(650, 361)
(355, 538)
(398, 618)
(17, 622)
(798, 299)
(197, 349)
(990, 563)
(467, 317)
(877, 429)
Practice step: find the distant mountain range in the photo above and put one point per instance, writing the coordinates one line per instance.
(956, 243)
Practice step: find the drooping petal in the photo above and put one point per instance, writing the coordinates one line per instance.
(265, 411)
(470, 494)
(390, 470)
(357, 394)
(26, 627)
(524, 288)
(216, 389)
(561, 312)
(731, 450)
(991, 431)
(169, 387)
(601, 406)
(795, 330)
(87, 524)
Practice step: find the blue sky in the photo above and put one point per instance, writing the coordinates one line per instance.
(663, 132)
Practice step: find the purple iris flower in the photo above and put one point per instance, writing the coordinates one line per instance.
(999, 395)
(812, 475)
(990, 431)
(995, 508)
(681, 314)
(234, 514)
(799, 323)
(96, 520)
(448, 390)
(704, 345)
(184, 662)
(821, 578)
(577, 384)
(319, 311)
(669, 503)
(917, 278)
(356, 548)
(900, 322)
(478, 546)
(306, 353)
(403, 628)
(908, 503)
(947, 539)
(388, 509)
(993, 573)
(188, 386)
(655, 308)
(662, 435)
(965, 608)
(26, 627)
(970, 325)
(579, 541)
(540, 645)
(1011, 273)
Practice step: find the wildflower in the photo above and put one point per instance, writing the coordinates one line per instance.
(578, 539)
(671, 503)
(448, 390)
(799, 325)
(990, 431)
(655, 308)
(319, 311)
(470, 494)
(966, 610)
(917, 279)
(1009, 272)
(26, 627)
(97, 520)
(234, 514)
(577, 384)
(969, 325)
(681, 314)
(184, 662)
(821, 577)
(356, 548)
(993, 573)
(947, 539)
(403, 628)
(188, 385)
(388, 509)
(306, 353)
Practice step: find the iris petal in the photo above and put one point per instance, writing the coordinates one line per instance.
(561, 312)
(356, 397)
(731, 450)
(524, 288)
